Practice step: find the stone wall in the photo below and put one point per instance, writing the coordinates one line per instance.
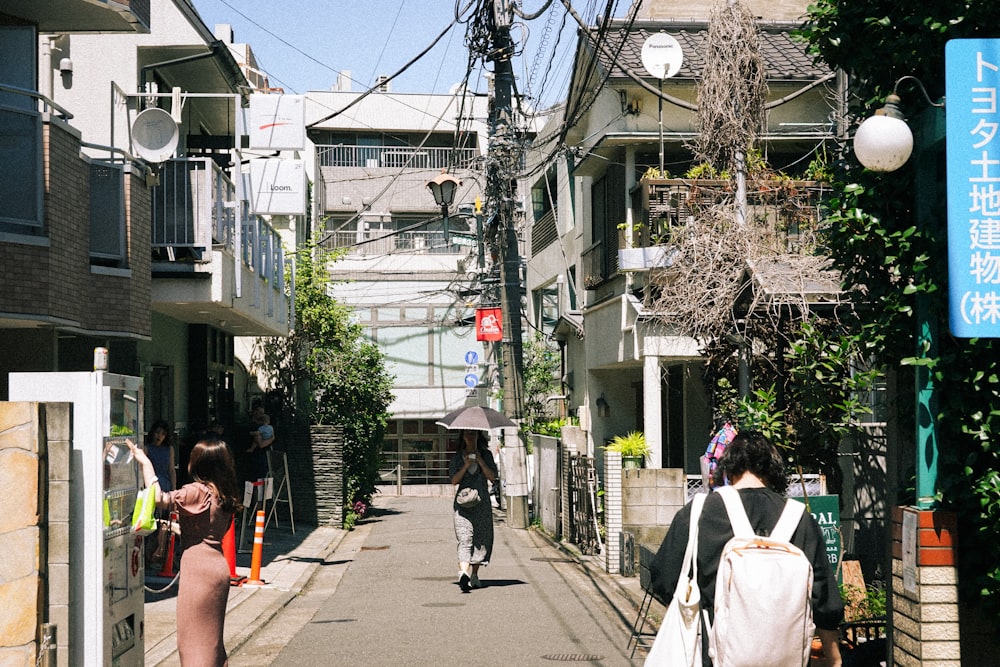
(316, 474)
(34, 528)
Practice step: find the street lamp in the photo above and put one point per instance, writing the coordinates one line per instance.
(884, 141)
(443, 187)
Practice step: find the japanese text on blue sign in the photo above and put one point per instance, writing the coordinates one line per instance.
(972, 78)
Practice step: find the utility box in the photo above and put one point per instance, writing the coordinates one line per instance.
(106, 618)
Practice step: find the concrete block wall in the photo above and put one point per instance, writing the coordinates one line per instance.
(650, 499)
(926, 623)
(34, 528)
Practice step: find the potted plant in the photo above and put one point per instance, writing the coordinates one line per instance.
(632, 447)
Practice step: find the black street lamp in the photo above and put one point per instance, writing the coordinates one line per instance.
(443, 187)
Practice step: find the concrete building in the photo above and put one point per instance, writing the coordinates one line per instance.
(623, 370)
(156, 209)
(411, 272)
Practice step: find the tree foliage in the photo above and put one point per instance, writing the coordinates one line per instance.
(541, 362)
(327, 372)
(875, 242)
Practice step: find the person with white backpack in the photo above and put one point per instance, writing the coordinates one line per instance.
(764, 578)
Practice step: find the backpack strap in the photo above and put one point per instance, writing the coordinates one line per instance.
(690, 563)
(737, 513)
(788, 521)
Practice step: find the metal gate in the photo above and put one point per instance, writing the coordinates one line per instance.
(583, 504)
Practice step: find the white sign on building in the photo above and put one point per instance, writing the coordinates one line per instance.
(277, 122)
(277, 187)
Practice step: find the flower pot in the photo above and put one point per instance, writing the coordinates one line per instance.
(632, 462)
(644, 259)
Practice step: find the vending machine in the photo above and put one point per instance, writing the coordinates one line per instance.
(106, 560)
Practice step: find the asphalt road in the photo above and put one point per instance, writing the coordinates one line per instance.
(388, 596)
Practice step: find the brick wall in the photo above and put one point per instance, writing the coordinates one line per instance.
(55, 280)
(925, 621)
(612, 510)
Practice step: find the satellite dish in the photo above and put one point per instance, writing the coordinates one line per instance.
(662, 55)
(154, 135)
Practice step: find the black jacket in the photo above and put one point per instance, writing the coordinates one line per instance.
(763, 507)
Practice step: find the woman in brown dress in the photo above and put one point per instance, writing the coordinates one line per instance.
(206, 507)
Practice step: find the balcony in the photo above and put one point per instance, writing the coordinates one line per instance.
(786, 211)
(212, 262)
(387, 242)
(395, 157)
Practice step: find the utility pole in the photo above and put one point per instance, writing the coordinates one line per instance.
(503, 160)
(502, 166)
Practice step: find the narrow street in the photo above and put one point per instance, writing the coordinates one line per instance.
(389, 596)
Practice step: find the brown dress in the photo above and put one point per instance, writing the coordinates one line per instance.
(204, 581)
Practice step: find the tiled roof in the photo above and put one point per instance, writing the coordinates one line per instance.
(784, 57)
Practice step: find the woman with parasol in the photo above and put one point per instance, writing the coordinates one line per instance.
(472, 467)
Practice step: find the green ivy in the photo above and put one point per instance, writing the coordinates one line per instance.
(327, 372)
(888, 263)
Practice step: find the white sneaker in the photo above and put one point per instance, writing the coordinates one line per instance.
(474, 581)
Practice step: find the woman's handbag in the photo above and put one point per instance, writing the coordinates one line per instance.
(678, 641)
(467, 497)
(144, 513)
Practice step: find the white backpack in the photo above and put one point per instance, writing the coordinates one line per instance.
(763, 607)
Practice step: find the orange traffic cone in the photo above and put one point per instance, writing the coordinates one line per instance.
(229, 550)
(258, 548)
(168, 563)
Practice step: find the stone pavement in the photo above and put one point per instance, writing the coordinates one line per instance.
(269, 624)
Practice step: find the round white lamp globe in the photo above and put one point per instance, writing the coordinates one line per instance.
(883, 143)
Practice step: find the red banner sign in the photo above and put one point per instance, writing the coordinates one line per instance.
(489, 324)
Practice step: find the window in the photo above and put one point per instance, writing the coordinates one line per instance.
(21, 139)
(107, 214)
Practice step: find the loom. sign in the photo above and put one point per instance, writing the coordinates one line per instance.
(489, 324)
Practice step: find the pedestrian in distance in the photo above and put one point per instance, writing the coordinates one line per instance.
(262, 437)
(206, 507)
(753, 467)
(159, 447)
(472, 466)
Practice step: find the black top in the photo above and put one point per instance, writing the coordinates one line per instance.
(763, 508)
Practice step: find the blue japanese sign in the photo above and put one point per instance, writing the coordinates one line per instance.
(471, 358)
(972, 79)
(471, 380)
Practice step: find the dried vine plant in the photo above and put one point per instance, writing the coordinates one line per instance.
(697, 294)
(733, 88)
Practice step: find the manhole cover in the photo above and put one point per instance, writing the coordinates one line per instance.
(572, 657)
(381, 548)
(443, 604)
(554, 560)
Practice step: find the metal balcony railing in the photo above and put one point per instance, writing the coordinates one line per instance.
(384, 242)
(787, 209)
(195, 210)
(395, 157)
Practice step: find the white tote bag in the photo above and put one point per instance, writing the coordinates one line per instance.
(678, 641)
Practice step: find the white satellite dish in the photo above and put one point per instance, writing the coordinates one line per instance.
(154, 135)
(662, 55)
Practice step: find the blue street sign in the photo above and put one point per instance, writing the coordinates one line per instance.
(972, 80)
(471, 358)
(471, 380)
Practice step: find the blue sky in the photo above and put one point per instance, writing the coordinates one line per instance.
(303, 44)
